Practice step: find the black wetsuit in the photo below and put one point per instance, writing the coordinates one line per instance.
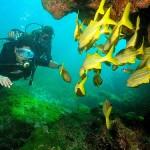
(8, 64)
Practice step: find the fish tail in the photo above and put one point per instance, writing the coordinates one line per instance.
(101, 7)
(109, 57)
(100, 10)
(143, 63)
(137, 23)
(77, 17)
(125, 18)
(82, 26)
(140, 51)
(106, 18)
(79, 88)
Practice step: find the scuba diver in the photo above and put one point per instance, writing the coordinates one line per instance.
(23, 52)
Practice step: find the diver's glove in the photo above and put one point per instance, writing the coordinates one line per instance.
(64, 74)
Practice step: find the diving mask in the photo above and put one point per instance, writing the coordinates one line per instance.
(25, 53)
(25, 56)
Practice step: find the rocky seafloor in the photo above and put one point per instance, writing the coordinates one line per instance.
(28, 123)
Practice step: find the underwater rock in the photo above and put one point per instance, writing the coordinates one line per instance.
(68, 133)
(120, 137)
(87, 9)
(59, 8)
(125, 137)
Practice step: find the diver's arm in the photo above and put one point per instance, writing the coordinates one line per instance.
(54, 65)
(48, 63)
(5, 81)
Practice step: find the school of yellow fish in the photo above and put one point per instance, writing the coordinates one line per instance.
(103, 24)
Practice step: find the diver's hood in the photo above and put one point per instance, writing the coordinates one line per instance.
(25, 53)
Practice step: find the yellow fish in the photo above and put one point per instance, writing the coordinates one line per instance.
(145, 57)
(93, 40)
(128, 55)
(97, 80)
(112, 40)
(104, 29)
(79, 88)
(117, 29)
(139, 77)
(93, 61)
(93, 29)
(125, 18)
(132, 41)
(107, 108)
(100, 10)
(146, 52)
(65, 74)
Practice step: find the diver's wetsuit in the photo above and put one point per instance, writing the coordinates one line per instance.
(40, 47)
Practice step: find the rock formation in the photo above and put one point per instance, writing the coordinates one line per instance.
(87, 8)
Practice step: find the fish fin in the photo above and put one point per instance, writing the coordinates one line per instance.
(77, 18)
(108, 64)
(141, 49)
(109, 57)
(76, 31)
(125, 18)
(100, 10)
(106, 18)
(82, 26)
(99, 47)
(137, 23)
(143, 63)
(114, 67)
(106, 29)
(79, 88)
(101, 7)
(61, 69)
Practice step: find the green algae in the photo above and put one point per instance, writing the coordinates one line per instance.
(24, 107)
(36, 111)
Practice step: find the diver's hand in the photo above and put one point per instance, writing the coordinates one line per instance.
(5, 81)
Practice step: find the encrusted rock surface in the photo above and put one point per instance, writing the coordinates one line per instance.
(87, 8)
(59, 8)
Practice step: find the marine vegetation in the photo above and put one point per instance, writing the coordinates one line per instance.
(88, 38)
(28, 123)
